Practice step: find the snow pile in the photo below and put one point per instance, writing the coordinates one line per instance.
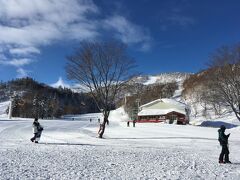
(119, 115)
(3, 108)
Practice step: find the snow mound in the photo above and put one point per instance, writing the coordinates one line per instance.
(118, 115)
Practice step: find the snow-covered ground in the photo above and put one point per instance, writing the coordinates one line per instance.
(69, 149)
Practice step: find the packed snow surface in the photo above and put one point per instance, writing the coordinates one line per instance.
(69, 149)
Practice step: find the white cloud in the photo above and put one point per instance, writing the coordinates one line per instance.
(128, 32)
(22, 73)
(39, 22)
(24, 51)
(16, 62)
(35, 23)
(27, 25)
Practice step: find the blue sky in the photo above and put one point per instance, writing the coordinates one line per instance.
(162, 35)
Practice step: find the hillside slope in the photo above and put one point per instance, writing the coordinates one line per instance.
(161, 78)
(34, 99)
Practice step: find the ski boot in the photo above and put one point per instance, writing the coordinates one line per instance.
(229, 162)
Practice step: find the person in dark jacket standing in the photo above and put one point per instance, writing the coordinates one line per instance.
(134, 122)
(37, 131)
(223, 139)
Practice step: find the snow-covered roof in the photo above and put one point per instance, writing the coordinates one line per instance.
(161, 107)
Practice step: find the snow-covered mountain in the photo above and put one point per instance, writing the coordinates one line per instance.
(60, 83)
(161, 78)
(77, 88)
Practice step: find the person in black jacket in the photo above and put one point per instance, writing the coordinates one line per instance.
(37, 131)
(223, 139)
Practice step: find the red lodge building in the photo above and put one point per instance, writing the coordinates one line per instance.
(163, 110)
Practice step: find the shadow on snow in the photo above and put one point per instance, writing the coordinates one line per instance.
(67, 144)
(200, 138)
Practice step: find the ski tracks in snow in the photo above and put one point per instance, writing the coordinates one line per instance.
(106, 158)
(109, 162)
(12, 134)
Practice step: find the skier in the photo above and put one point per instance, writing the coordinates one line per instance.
(223, 140)
(37, 131)
(128, 124)
(100, 129)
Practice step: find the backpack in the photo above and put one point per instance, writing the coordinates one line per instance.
(222, 138)
(220, 141)
(39, 128)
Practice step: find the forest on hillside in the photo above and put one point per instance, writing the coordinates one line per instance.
(33, 99)
(216, 89)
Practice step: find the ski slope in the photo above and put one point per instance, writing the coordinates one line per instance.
(70, 150)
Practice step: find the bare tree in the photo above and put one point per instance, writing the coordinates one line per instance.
(224, 79)
(102, 67)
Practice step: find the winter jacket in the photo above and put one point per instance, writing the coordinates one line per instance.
(37, 127)
(222, 137)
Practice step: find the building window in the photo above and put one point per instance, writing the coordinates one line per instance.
(172, 117)
(162, 117)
